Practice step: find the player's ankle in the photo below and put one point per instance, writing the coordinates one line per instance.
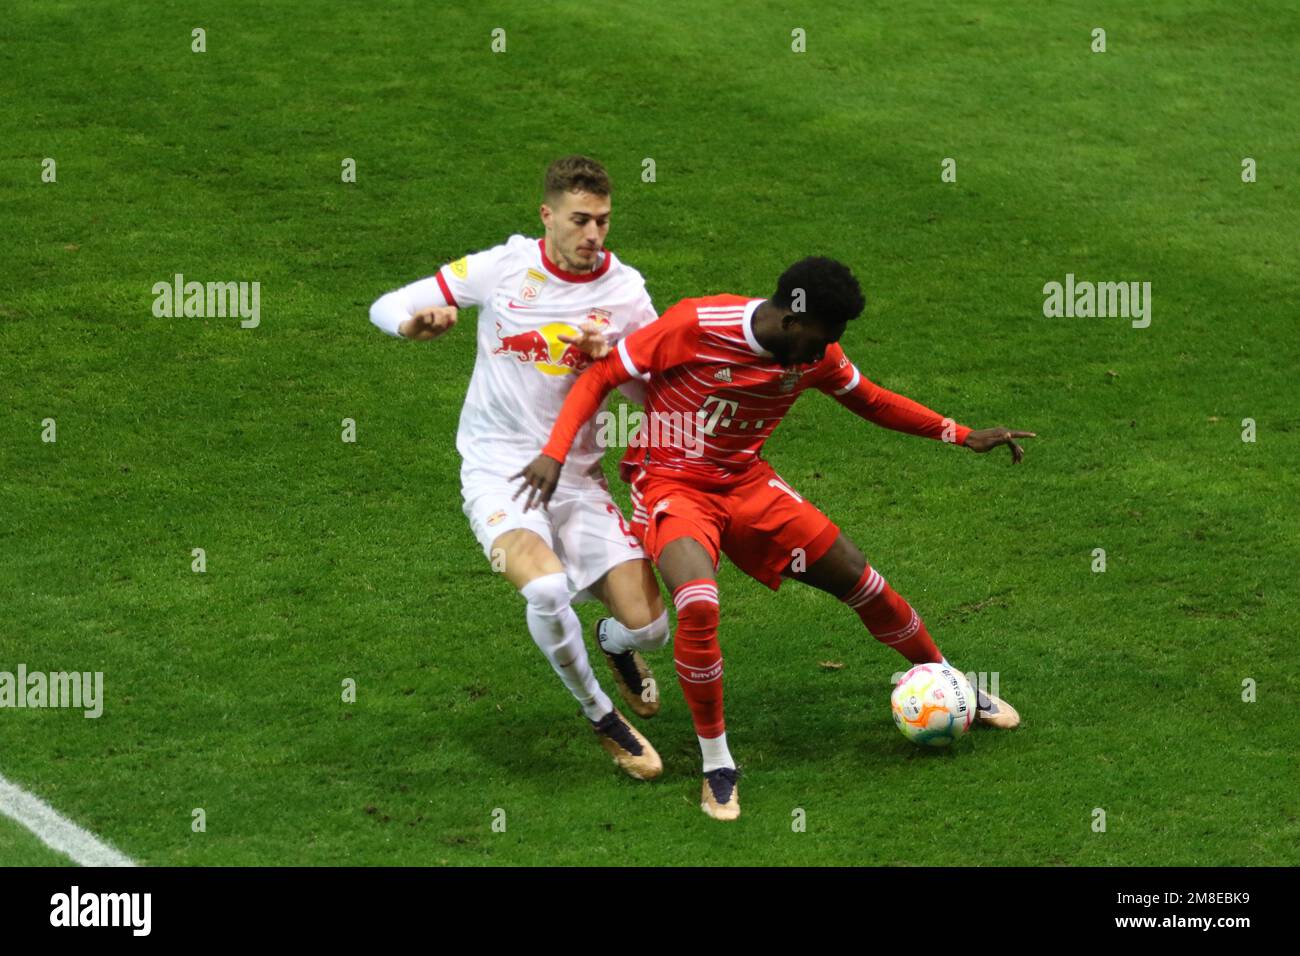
(597, 708)
(715, 754)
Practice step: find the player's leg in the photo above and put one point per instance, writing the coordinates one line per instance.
(689, 572)
(605, 560)
(639, 623)
(844, 573)
(681, 526)
(528, 563)
(519, 545)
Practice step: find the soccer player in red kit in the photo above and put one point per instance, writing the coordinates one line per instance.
(721, 372)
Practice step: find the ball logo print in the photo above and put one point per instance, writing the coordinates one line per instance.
(933, 705)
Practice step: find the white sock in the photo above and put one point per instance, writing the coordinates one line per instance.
(617, 637)
(715, 752)
(558, 632)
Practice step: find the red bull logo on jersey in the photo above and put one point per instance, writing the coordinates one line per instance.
(542, 348)
(529, 346)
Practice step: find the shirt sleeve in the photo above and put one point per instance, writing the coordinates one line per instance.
(672, 339)
(668, 341)
(880, 406)
(467, 281)
(470, 279)
(390, 310)
(642, 315)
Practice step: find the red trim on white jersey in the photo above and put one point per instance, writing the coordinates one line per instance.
(567, 276)
(446, 289)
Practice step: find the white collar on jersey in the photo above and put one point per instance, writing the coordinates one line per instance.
(747, 326)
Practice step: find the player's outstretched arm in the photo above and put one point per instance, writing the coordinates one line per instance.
(888, 409)
(417, 311)
(898, 412)
(987, 439)
(542, 474)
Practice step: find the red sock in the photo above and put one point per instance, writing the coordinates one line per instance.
(697, 654)
(890, 619)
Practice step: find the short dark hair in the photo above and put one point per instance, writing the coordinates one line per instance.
(569, 173)
(831, 294)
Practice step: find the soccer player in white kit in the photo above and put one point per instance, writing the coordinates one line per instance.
(547, 308)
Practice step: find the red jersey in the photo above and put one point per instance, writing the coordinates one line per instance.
(713, 395)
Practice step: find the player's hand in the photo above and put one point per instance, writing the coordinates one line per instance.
(591, 340)
(539, 479)
(429, 323)
(987, 438)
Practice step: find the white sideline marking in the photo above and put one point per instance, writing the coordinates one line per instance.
(57, 831)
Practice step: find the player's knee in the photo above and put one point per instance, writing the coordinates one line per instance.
(697, 621)
(547, 595)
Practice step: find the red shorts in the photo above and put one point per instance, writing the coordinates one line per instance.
(760, 522)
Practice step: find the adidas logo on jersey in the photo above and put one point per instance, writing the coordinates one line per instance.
(723, 375)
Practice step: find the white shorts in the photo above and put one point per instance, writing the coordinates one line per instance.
(582, 525)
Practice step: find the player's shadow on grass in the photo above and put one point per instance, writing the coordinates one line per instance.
(521, 738)
(813, 725)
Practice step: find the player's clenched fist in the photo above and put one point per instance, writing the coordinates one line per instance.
(429, 323)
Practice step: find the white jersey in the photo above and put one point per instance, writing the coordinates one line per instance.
(522, 371)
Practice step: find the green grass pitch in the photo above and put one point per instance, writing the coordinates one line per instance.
(329, 560)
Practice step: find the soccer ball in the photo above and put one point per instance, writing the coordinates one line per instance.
(933, 705)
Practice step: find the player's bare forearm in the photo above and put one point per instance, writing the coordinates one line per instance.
(987, 439)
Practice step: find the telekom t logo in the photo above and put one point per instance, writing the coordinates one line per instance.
(721, 407)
